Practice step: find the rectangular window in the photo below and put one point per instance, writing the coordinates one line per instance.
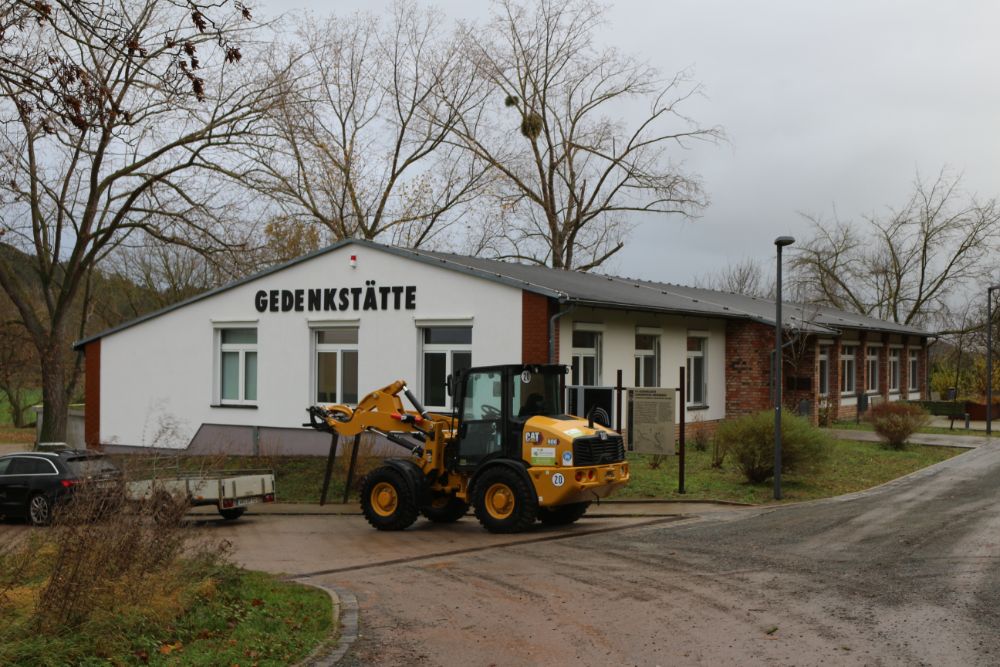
(238, 366)
(894, 370)
(697, 384)
(914, 372)
(446, 351)
(586, 358)
(847, 357)
(824, 370)
(647, 360)
(336, 365)
(871, 368)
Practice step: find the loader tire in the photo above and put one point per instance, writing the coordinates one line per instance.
(505, 502)
(387, 500)
(562, 515)
(445, 509)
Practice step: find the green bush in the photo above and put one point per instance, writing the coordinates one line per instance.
(749, 444)
(896, 422)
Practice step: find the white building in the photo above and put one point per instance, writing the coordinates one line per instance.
(235, 368)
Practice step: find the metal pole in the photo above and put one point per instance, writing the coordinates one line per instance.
(680, 439)
(779, 242)
(989, 359)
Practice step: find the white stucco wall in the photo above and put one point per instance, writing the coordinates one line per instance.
(158, 377)
(618, 329)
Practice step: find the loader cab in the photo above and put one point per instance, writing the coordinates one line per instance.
(495, 402)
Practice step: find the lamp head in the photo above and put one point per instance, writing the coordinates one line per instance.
(782, 241)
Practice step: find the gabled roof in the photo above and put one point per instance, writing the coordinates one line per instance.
(590, 289)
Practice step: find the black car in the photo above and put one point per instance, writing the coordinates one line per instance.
(32, 483)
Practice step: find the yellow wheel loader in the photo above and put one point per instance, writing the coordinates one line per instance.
(507, 449)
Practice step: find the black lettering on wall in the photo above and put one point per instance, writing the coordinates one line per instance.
(369, 297)
(287, 300)
(397, 291)
(260, 301)
(329, 296)
(411, 297)
(299, 295)
(344, 295)
(314, 297)
(273, 301)
(356, 293)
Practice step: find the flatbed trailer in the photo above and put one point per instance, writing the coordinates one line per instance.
(229, 491)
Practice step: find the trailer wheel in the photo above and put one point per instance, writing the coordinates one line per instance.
(505, 502)
(562, 515)
(445, 509)
(232, 514)
(387, 500)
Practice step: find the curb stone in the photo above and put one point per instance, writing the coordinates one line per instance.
(345, 612)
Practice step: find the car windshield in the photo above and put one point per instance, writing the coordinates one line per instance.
(91, 466)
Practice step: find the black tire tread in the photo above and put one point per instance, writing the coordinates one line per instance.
(525, 501)
(562, 515)
(450, 513)
(406, 509)
(232, 514)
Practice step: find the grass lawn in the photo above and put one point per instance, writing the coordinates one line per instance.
(199, 615)
(34, 396)
(853, 466)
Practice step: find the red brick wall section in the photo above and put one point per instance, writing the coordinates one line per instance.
(92, 395)
(748, 367)
(535, 328)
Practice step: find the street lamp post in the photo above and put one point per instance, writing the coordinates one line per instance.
(989, 358)
(780, 243)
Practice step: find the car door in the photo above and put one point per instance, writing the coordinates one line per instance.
(5, 509)
(17, 482)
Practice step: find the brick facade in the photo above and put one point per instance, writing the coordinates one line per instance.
(748, 367)
(92, 395)
(535, 312)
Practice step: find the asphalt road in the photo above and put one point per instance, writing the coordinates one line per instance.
(905, 574)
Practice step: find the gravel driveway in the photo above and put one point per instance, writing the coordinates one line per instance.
(902, 575)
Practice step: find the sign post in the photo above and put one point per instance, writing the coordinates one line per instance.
(680, 437)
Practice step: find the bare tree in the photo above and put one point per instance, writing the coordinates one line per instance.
(572, 172)
(902, 266)
(745, 277)
(351, 145)
(113, 114)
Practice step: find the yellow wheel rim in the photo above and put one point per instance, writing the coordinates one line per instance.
(499, 501)
(384, 499)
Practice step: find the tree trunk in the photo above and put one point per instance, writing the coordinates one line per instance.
(54, 396)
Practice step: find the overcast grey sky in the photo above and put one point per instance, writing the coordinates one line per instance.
(834, 103)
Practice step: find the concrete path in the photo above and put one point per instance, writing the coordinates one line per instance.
(932, 439)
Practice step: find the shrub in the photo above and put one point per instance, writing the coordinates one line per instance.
(896, 422)
(749, 443)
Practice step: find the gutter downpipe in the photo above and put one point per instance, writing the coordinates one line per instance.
(552, 326)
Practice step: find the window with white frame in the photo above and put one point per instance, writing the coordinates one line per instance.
(446, 351)
(586, 353)
(894, 370)
(237, 364)
(824, 370)
(914, 373)
(871, 368)
(697, 382)
(336, 365)
(647, 360)
(847, 367)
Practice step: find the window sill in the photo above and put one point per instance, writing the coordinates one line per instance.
(699, 406)
(238, 406)
(848, 395)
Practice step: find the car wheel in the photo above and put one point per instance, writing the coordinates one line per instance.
(39, 510)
